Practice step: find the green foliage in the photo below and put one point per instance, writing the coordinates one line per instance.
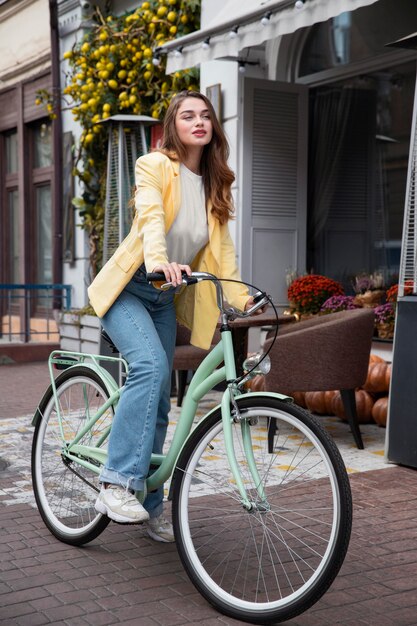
(110, 72)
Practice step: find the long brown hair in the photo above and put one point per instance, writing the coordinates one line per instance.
(217, 175)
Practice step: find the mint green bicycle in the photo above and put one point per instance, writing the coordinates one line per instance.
(262, 527)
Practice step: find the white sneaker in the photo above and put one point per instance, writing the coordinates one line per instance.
(120, 505)
(160, 529)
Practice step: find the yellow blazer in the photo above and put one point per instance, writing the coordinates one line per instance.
(157, 202)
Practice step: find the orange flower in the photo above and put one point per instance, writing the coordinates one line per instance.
(307, 293)
(392, 292)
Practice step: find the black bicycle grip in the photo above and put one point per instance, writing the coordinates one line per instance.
(155, 276)
(159, 276)
(258, 296)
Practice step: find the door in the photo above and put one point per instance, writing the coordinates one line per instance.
(346, 216)
(274, 184)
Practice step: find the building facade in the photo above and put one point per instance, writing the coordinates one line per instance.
(29, 223)
(319, 125)
(317, 112)
(26, 158)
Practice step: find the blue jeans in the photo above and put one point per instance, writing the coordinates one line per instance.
(142, 324)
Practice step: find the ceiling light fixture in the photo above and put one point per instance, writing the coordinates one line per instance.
(233, 32)
(265, 18)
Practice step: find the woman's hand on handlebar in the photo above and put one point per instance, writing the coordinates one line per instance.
(172, 272)
(251, 302)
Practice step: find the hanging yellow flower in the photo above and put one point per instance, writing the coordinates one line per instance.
(111, 71)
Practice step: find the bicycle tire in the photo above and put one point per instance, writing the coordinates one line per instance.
(264, 566)
(65, 492)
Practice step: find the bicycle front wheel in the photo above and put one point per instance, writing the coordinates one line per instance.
(65, 491)
(269, 564)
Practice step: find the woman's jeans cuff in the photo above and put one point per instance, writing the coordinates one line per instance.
(156, 512)
(116, 478)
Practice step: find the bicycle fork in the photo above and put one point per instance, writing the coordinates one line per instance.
(228, 417)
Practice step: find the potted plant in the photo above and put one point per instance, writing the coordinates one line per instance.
(339, 303)
(307, 294)
(112, 70)
(392, 292)
(369, 289)
(79, 330)
(385, 320)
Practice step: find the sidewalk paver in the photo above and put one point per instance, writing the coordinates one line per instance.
(123, 577)
(22, 385)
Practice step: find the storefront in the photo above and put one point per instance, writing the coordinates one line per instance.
(26, 144)
(29, 212)
(319, 125)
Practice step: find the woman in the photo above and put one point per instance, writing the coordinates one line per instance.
(183, 203)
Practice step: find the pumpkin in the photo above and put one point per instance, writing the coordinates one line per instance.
(337, 405)
(380, 411)
(364, 404)
(328, 401)
(376, 379)
(315, 402)
(299, 398)
(374, 358)
(388, 376)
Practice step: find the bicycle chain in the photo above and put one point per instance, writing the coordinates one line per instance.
(67, 462)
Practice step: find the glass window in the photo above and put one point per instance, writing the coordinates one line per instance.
(44, 224)
(11, 153)
(359, 145)
(13, 204)
(43, 145)
(357, 35)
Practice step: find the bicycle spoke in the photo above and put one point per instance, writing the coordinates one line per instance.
(281, 547)
(66, 491)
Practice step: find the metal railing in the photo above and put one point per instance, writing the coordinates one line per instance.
(27, 312)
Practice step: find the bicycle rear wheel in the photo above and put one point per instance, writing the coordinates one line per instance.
(272, 563)
(65, 491)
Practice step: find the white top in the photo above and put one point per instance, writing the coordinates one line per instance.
(189, 231)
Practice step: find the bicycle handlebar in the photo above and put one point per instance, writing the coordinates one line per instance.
(260, 299)
(158, 276)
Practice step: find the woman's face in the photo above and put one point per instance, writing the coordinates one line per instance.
(193, 123)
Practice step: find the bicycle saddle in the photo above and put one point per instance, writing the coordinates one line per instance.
(107, 338)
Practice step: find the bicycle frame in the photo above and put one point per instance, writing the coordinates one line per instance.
(207, 376)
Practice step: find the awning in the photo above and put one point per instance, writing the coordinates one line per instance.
(252, 23)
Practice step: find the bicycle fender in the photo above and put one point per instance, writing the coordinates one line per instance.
(41, 407)
(107, 379)
(251, 394)
(269, 394)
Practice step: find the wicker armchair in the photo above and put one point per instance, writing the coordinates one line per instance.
(324, 353)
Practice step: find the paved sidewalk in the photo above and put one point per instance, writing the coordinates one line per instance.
(22, 385)
(124, 577)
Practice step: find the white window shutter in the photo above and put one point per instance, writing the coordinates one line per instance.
(274, 184)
